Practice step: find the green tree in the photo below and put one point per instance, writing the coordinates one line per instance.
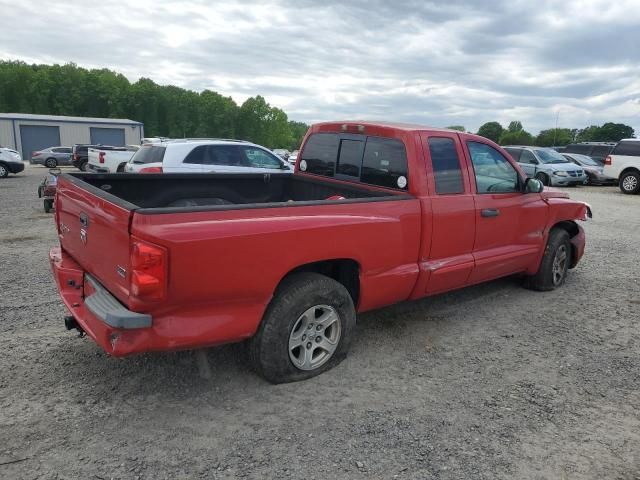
(554, 136)
(491, 130)
(516, 135)
(459, 128)
(298, 131)
(614, 132)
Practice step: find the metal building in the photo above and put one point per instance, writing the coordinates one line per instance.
(27, 133)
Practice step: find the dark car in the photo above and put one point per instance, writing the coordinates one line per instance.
(592, 168)
(596, 150)
(80, 156)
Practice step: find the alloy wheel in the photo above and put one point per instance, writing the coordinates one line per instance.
(314, 337)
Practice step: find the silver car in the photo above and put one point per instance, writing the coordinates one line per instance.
(548, 166)
(51, 157)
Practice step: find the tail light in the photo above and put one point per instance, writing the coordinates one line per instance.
(608, 160)
(101, 157)
(75, 156)
(35, 154)
(151, 170)
(148, 270)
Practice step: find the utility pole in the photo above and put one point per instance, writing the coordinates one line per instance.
(555, 131)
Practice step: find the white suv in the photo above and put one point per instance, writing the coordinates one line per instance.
(205, 156)
(623, 163)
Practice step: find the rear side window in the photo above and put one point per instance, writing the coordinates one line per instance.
(148, 155)
(446, 166)
(515, 153)
(601, 150)
(627, 148)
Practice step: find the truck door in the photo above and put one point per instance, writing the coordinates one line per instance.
(509, 223)
(447, 260)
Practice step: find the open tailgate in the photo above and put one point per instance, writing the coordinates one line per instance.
(94, 231)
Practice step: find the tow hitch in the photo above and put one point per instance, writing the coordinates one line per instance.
(71, 323)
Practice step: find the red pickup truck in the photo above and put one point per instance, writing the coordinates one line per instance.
(376, 213)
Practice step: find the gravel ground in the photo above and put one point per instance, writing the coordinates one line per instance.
(492, 381)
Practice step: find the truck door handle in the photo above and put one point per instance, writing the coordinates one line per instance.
(490, 212)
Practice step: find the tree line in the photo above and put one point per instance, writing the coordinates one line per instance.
(166, 111)
(515, 134)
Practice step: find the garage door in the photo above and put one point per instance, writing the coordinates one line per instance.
(37, 137)
(107, 136)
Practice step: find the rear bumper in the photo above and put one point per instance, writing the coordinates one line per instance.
(116, 329)
(578, 242)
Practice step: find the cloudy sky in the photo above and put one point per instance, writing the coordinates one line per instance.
(432, 62)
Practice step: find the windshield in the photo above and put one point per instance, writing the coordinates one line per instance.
(586, 160)
(550, 156)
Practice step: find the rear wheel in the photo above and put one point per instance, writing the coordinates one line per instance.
(630, 183)
(51, 163)
(555, 262)
(84, 166)
(307, 329)
(4, 171)
(544, 178)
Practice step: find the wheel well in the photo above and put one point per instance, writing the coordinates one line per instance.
(629, 170)
(344, 271)
(572, 229)
(121, 167)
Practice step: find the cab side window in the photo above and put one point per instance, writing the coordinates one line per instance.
(493, 172)
(446, 166)
(528, 157)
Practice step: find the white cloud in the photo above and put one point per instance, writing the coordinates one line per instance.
(461, 62)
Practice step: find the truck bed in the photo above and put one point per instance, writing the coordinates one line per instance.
(179, 192)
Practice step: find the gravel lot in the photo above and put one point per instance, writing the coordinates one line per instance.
(493, 381)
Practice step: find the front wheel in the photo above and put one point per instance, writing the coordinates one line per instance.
(630, 183)
(307, 329)
(84, 167)
(51, 163)
(554, 266)
(48, 205)
(4, 171)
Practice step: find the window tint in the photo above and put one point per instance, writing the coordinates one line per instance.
(514, 152)
(350, 158)
(148, 155)
(385, 163)
(320, 154)
(446, 166)
(65, 150)
(601, 150)
(494, 173)
(577, 148)
(528, 157)
(197, 155)
(631, 148)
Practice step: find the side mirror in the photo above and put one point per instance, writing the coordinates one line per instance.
(533, 185)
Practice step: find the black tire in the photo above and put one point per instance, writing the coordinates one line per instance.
(120, 168)
(268, 351)
(545, 278)
(630, 183)
(84, 167)
(4, 171)
(51, 163)
(544, 178)
(48, 206)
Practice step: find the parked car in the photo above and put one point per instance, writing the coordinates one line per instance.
(178, 261)
(593, 169)
(282, 153)
(548, 166)
(623, 164)
(47, 189)
(293, 157)
(596, 150)
(10, 162)
(107, 159)
(80, 156)
(52, 157)
(202, 156)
